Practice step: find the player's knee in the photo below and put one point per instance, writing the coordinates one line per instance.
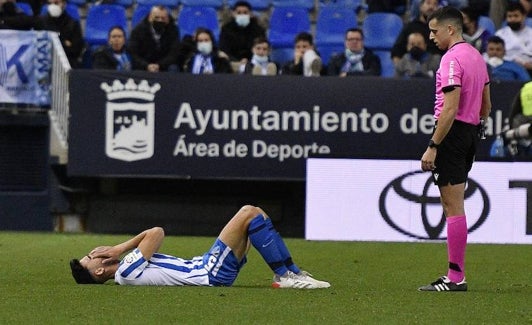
(250, 211)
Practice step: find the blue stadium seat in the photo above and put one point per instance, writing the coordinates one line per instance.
(190, 18)
(217, 4)
(346, 4)
(285, 24)
(256, 5)
(387, 66)
(381, 30)
(282, 55)
(140, 12)
(123, 3)
(327, 51)
(306, 4)
(100, 18)
(172, 4)
(487, 23)
(71, 9)
(79, 3)
(25, 7)
(332, 23)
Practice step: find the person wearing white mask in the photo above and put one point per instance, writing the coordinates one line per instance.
(260, 64)
(500, 69)
(69, 29)
(357, 60)
(206, 59)
(237, 35)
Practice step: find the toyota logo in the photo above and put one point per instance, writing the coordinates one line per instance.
(433, 230)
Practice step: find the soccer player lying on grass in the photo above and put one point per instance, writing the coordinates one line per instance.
(143, 265)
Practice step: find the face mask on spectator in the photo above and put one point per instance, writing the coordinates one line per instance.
(260, 58)
(514, 26)
(205, 48)
(495, 61)
(416, 53)
(55, 10)
(159, 26)
(242, 20)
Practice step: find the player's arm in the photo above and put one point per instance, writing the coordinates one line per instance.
(148, 242)
(451, 100)
(486, 102)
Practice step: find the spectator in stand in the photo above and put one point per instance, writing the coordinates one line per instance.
(420, 25)
(473, 33)
(237, 35)
(115, 55)
(517, 36)
(69, 29)
(260, 64)
(497, 9)
(206, 59)
(417, 62)
(154, 42)
(356, 59)
(306, 61)
(12, 17)
(499, 68)
(395, 6)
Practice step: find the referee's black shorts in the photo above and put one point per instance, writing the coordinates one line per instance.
(456, 154)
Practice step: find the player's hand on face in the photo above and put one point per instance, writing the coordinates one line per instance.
(109, 254)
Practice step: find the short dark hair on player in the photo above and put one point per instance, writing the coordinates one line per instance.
(448, 13)
(81, 274)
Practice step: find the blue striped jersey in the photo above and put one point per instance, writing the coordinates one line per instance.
(161, 270)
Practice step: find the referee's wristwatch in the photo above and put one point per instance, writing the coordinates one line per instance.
(433, 144)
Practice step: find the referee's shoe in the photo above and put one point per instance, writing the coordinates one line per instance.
(444, 284)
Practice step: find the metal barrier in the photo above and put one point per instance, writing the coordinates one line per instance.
(60, 100)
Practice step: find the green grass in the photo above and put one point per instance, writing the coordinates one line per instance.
(371, 283)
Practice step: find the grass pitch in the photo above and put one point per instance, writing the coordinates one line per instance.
(372, 283)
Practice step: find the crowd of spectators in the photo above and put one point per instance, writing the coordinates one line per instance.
(155, 44)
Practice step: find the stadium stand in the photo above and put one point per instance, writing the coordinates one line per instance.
(25, 7)
(257, 5)
(381, 30)
(487, 23)
(167, 3)
(285, 24)
(100, 18)
(217, 4)
(306, 4)
(71, 9)
(387, 66)
(346, 4)
(190, 18)
(331, 25)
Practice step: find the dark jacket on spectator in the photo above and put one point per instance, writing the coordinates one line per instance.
(219, 64)
(69, 31)
(371, 63)
(144, 49)
(237, 41)
(415, 26)
(13, 18)
(104, 58)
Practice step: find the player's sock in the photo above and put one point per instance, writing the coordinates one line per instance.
(285, 253)
(264, 241)
(456, 246)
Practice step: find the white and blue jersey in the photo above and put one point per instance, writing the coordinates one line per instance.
(217, 267)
